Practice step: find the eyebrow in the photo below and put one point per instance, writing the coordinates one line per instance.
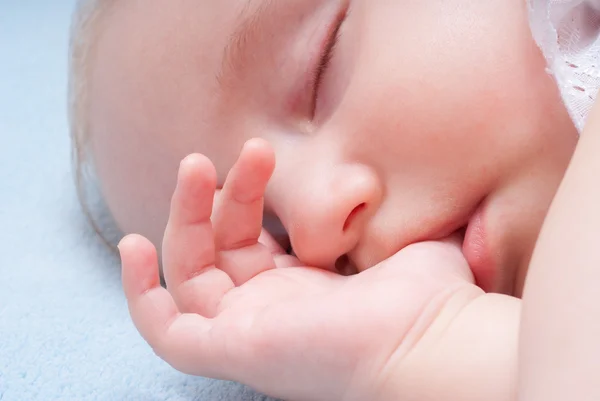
(237, 55)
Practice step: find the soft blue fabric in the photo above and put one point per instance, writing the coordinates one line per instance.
(65, 333)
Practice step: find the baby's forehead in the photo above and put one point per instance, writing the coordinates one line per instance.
(158, 44)
(159, 28)
(165, 66)
(215, 40)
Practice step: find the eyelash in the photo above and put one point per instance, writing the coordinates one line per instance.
(325, 60)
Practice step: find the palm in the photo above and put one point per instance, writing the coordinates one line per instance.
(290, 314)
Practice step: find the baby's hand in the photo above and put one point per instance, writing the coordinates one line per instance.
(235, 309)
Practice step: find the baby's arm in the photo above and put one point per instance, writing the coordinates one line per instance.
(560, 339)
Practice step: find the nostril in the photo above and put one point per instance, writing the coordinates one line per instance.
(345, 267)
(353, 214)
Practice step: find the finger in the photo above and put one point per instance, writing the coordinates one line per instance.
(181, 340)
(188, 247)
(238, 217)
(238, 220)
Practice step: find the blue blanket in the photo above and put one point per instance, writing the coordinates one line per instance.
(65, 333)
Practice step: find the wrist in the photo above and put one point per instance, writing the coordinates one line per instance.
(468, 353)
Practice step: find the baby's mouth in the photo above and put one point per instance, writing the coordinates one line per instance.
(477, 252)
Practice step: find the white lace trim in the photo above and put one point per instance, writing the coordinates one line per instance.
(568, 32)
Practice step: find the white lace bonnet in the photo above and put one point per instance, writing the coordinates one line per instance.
(568, 32)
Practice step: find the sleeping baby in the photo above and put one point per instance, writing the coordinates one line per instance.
(346, 194)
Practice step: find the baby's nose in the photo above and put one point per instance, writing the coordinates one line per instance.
(331, 212)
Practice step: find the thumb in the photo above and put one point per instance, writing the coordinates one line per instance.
(441, 260)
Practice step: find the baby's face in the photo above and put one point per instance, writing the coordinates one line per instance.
(427, 117)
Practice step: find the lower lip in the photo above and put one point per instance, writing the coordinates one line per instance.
(477, 252)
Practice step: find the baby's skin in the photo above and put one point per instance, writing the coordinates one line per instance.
(425, 121)
(420, 122)
(413, 327)
(239, 308)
